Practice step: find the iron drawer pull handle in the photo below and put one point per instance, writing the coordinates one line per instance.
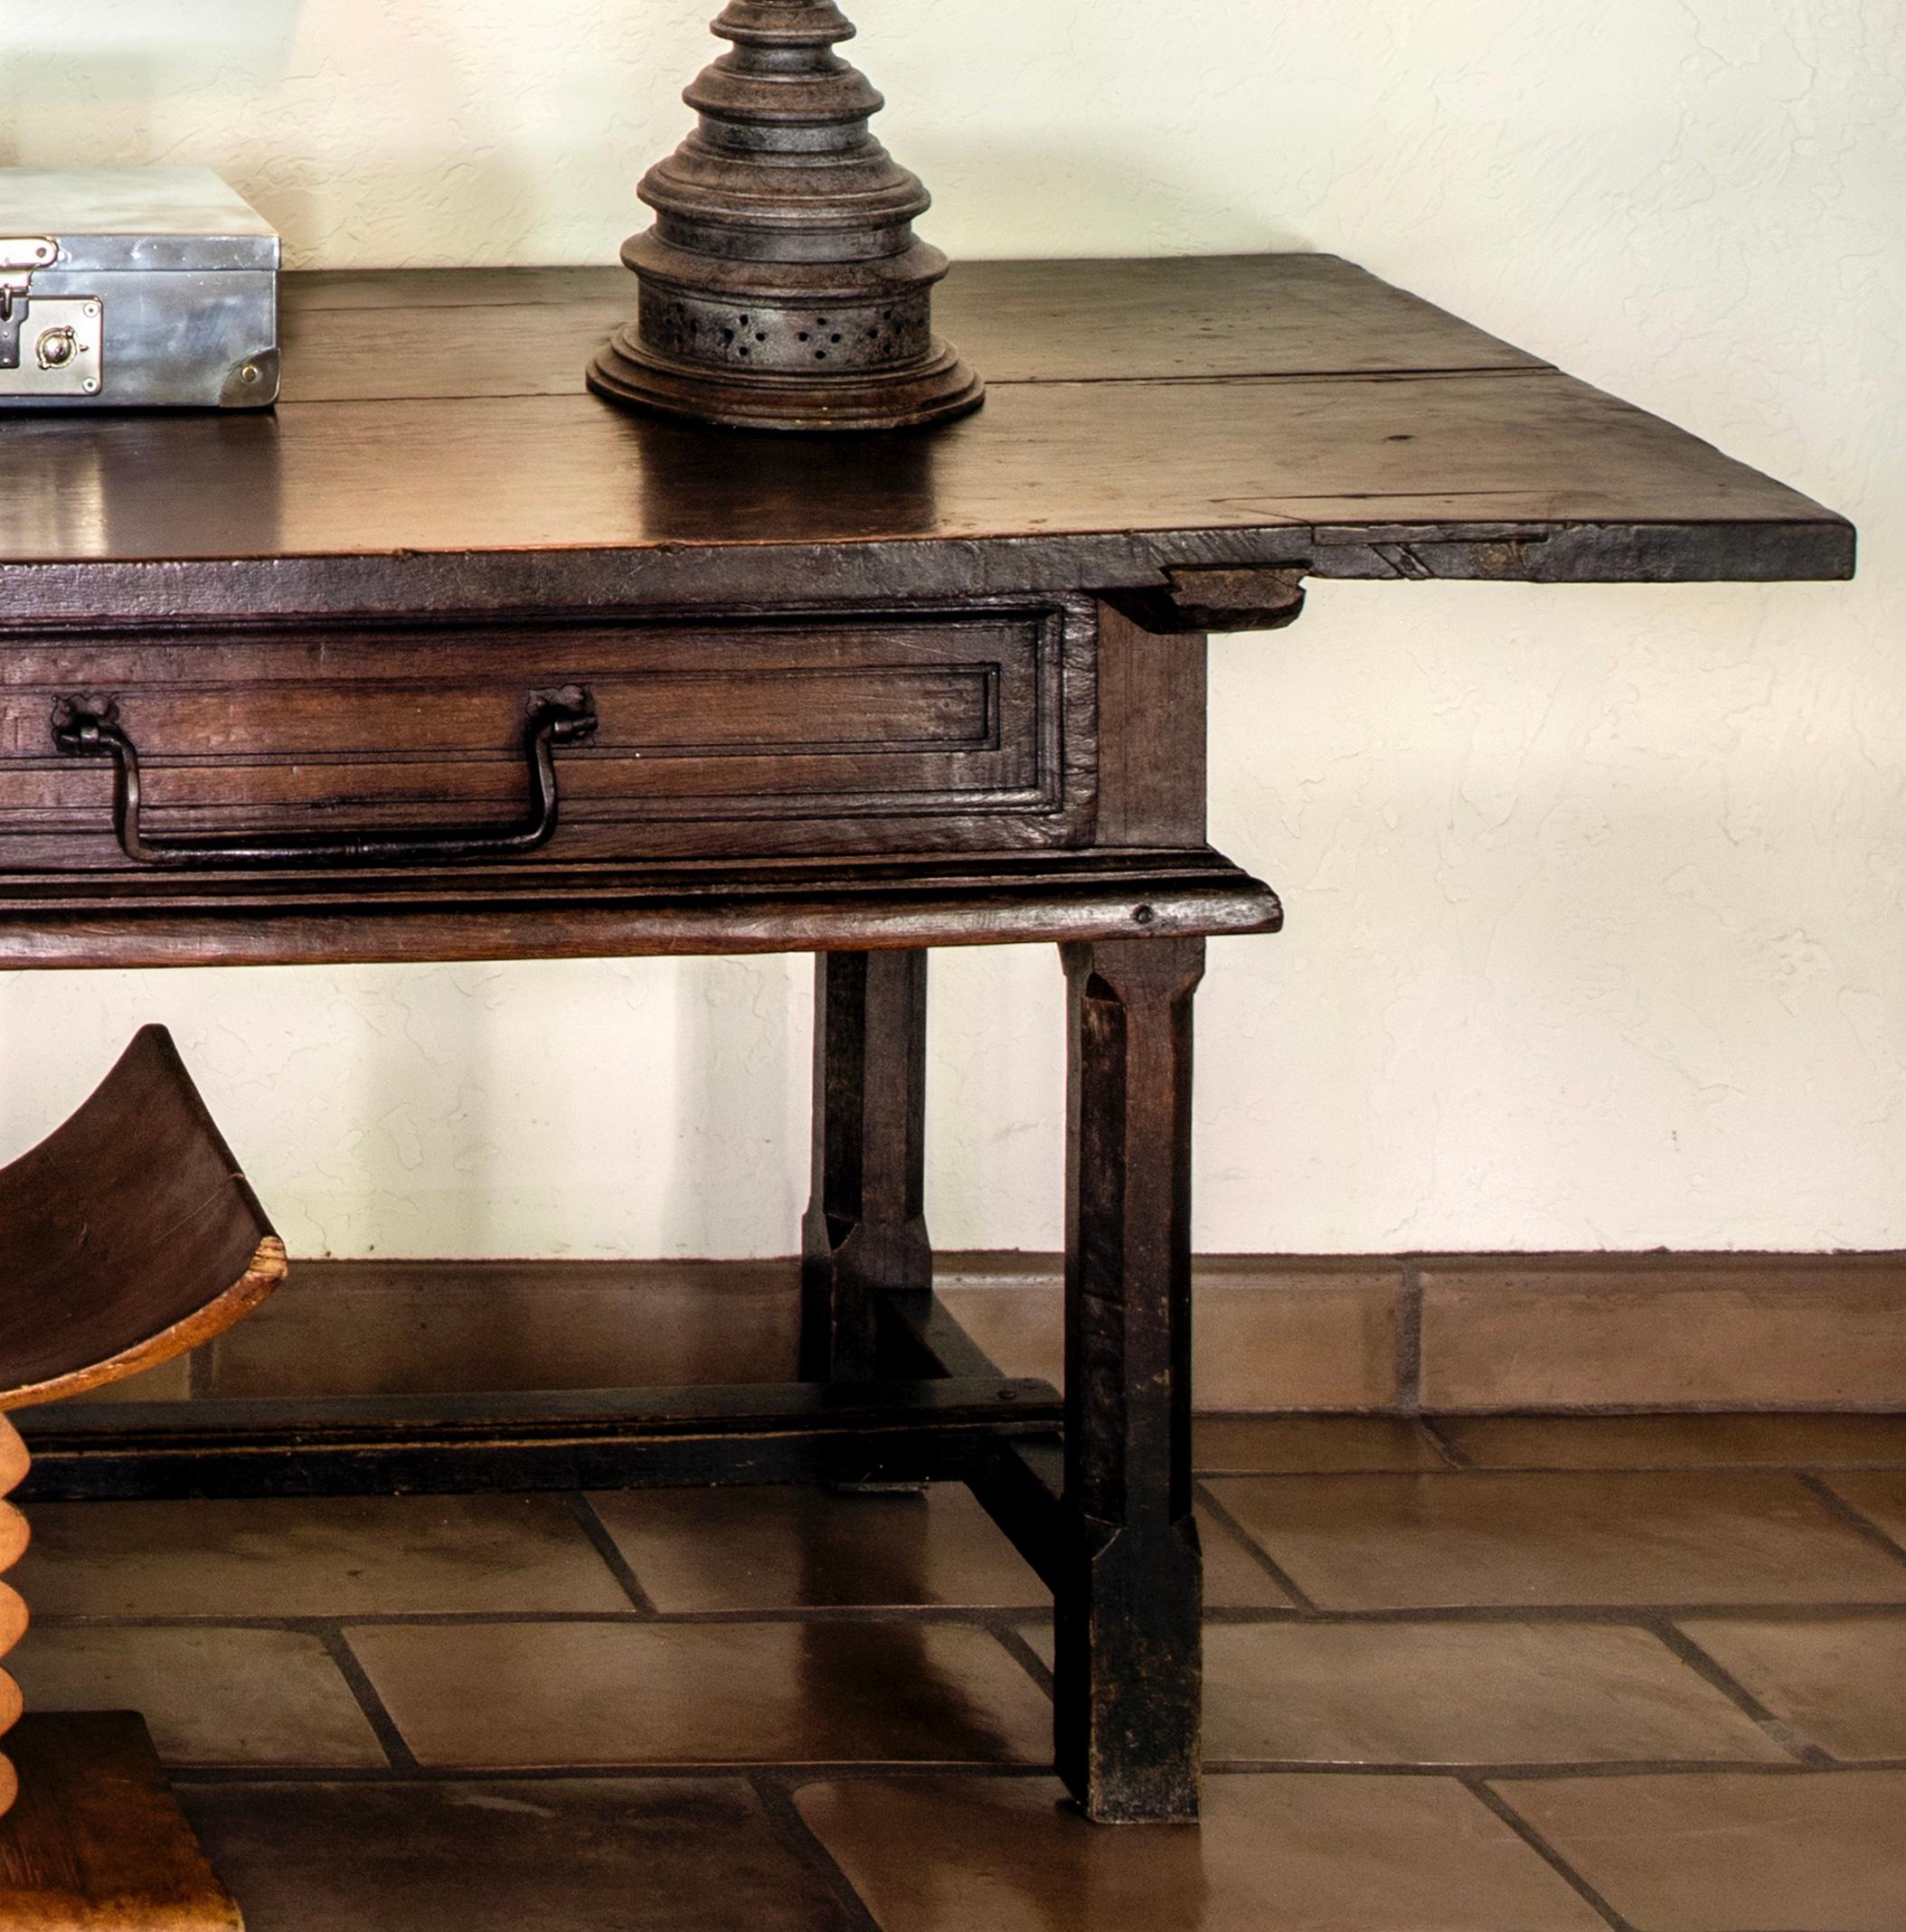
(87, 727)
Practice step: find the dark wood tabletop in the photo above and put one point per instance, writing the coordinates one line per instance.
(436, 450)
(930, 687)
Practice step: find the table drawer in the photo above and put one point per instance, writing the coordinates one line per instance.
(909, 733)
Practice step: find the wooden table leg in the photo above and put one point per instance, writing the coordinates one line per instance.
(865, 1228)
(1128, 1659)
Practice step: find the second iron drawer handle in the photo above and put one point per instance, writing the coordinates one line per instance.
(85, 727)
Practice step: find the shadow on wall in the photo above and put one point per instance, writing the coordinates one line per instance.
(406, 136)
(107, 66)
(393, 146)
(994, 200)
(651, 1107)
(726, 1179)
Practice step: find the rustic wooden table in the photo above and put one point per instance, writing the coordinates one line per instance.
(447, 660)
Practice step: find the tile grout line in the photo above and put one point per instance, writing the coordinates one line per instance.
(874, 1769)
(1604, 1408)
(589, 1522)
(776, 1798)
(1636, 1615)
(926, 1613)
(1620, 1616)
(383, 1725)
(1492, 1800)
(1458, 1459)
(1445, 1446)
(1010, 1636)
(1848, 1513)
(1265, 1560)
(1410, 1337)
(869, 1770)
(1787, 1736)
(200, 1372)
(1577, 1770)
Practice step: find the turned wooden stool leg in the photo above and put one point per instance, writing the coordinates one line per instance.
(90, 1833)
(1129, 1658)
(13, 1607)
(865, 1229)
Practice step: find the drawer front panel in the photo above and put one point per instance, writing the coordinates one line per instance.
(903, 733)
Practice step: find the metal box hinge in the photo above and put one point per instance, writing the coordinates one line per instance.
(18, 260)
(64, 332)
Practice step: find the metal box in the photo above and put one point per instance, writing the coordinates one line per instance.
(135, 289)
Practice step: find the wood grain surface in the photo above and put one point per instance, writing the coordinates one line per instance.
(434, 451)
(942, 731)
(131, 1236)
(98, 1843)
(401, 332)
(551, 913)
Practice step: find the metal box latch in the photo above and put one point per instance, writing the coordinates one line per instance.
(49, 344)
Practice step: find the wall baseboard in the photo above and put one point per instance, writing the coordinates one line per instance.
(1476, 1334)
(1444, 1335)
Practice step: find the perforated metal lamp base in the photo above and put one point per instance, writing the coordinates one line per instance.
(628, 371)
(782, 285)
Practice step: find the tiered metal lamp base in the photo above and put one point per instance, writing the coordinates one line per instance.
(782, 286)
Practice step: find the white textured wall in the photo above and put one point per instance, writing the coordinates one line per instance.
(1596, 934)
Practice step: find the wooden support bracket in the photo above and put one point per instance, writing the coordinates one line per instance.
(1194, 601)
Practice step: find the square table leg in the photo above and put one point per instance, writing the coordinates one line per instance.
(1128, 1668)
(865, 1229)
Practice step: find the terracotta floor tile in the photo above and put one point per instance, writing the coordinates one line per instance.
(1840, 1681)
(1676, 1442)
(209, 1696)
(1463, 1694)
(1615, 1537)
(555, 1855)
(515, 1696)
(752, 1549)
(1233, 1581)
(408, 1327)
(1732, 1852)
(1310, 1444)
(1336, 1853)
(1879, 1496)
(323, 1557)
